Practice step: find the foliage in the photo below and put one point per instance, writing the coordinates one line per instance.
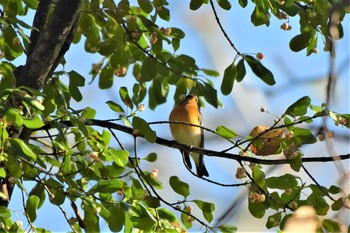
(69, 156)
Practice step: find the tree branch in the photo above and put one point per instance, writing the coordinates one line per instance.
(211, 153)
(47, 43)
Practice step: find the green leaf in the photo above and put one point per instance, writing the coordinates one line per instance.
(145, 5)
(148, 69)
(226, 132)
(224, 4)
(178, 186)
(184, 218)
(2, 173)
(4, 212)
(335, 189)
(144, 129)
(273, 220)
(338, 204)
(167, 214)
(75, 80)
(301, 41)
(207, 209)
(107, 186)
(240, 68)
(224, 228)
(196, 4)
(106, 78)
(259, 178)
(295, 163)
(120, 157)
(20, 146)
(124, 95)
(331, 225)
(319, 203)
(209, 93)
(39, 191)
(88, 113)
(243, 3)
(209, 72)
(299, 108)
(14, 116)
(259, 16)
(32, 206)
(260, 70)
(230, 74)
(67, 165)
(305, 135)
(256, 208)
(176, 33)
(152, 157)
(32, 123)
(116, 218)
(163, 13)
(282, 182)
(114, 106)
(144, 221)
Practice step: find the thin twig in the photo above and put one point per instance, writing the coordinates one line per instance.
(222, 28)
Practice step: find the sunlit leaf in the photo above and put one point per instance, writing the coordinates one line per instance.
(152, 157)
(32, 206)
(226, 132)
(282, 182)
(117, 218)
(114, 106)
(23, 148)
(207, 209)
(179, 187)
(299, 107)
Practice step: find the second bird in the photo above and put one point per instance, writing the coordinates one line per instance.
(188, 111)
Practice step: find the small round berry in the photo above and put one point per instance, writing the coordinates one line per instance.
(263, 109)
(153, 40)
(289, 135)
(141, 107)
(312, 14)
(322, 137)
(11, 179)
(330, 134)
(94, 155)
(121, 71)
(261, 198)
(15, 41)
(288, 191)
(167, 31)
(97, 210)
(260, 56)
(293, 205)
(135, 132)
(284, 26)
(154, 173)
(189, 209)
(72, 221)
(189, 219)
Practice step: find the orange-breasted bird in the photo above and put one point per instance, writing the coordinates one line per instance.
(188, 111)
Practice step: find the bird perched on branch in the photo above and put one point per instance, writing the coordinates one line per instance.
(189, 112)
